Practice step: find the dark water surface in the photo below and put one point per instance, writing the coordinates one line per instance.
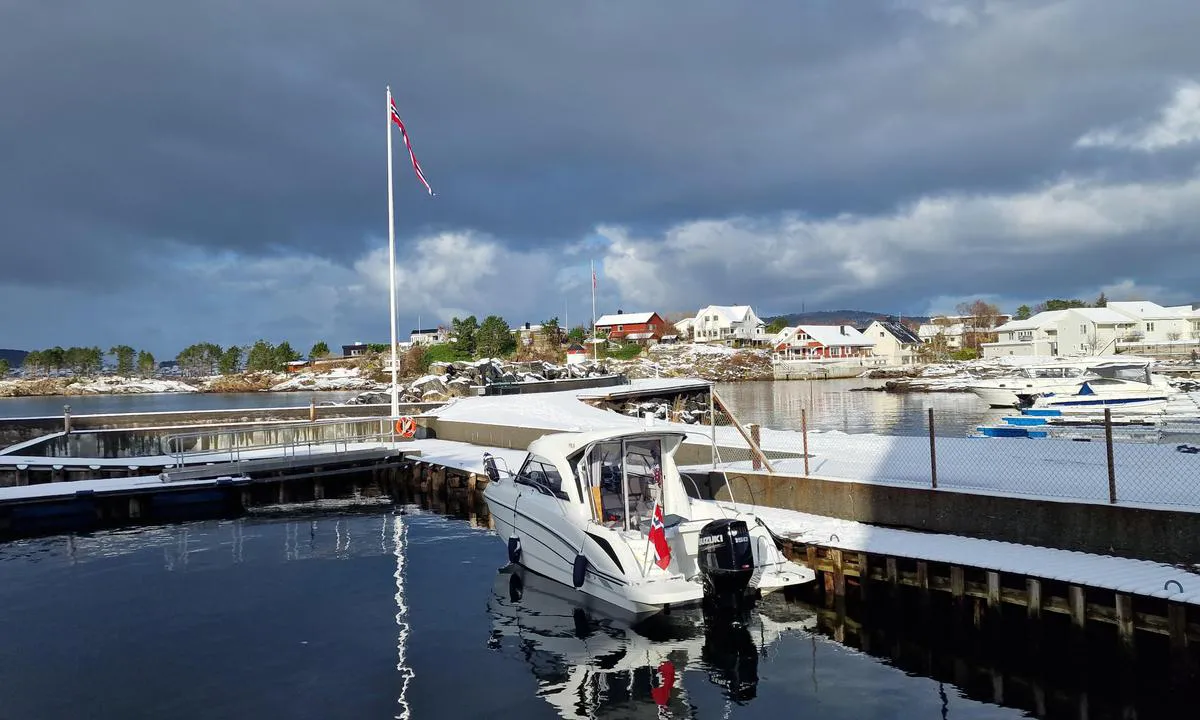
(302, 616)
(831, 405)
(845, 406)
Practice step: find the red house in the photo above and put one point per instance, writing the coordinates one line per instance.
(643, 327)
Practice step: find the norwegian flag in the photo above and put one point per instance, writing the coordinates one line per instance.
(408, 144)
(658, 538)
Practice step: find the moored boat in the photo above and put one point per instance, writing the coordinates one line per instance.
(607, 513)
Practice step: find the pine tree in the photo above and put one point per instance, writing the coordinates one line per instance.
(319, 350)
(145, 363)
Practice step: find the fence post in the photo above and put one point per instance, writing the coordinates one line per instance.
(804, 435)
(932, 452)
(755, 462)
(312, 409)
(1108, 447)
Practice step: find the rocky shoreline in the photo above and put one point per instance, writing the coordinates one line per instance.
(444, 380)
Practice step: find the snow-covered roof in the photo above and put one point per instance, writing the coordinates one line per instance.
(1042, 319)
(1151, 311)
(1102, 316)
(622, 318)
(831, 335)
(562, 445)
(729, 313)
(933, 330)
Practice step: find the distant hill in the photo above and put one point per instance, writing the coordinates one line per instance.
(857, 318)
(14, 357)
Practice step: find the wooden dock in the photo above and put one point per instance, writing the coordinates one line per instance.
(219, 489)
(987, 594)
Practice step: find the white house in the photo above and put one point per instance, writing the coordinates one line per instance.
(893, 341)
(810, 342)
(1077, 331)
(428, 336)
(683, 328)
(728, 324)
(953, 327)
(1155, 324)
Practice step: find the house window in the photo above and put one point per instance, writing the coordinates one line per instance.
(880, 333)
(1025, 335)
(1149, 327)
(1083, 329)
(620, 328)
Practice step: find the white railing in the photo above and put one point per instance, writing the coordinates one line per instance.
(291, 440)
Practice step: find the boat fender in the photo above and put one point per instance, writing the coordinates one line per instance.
(581, 568)
(514, 549)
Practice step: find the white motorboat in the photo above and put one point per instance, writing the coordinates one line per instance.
(607, 513)
(588, 658)
(1003, 392)
(1029, 381)
(1094, 395)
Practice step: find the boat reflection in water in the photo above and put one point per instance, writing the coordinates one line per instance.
(589, 660)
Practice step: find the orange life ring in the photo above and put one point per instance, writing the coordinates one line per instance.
(406, 427)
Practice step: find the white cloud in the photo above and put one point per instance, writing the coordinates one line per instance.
(990, 242)
(1178, 124)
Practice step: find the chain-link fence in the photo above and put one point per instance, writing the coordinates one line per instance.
(1100, 458)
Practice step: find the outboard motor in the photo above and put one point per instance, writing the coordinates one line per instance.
(726, 559)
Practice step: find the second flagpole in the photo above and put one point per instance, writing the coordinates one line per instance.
(392, 258)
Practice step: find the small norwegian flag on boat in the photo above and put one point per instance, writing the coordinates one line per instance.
(658, 538)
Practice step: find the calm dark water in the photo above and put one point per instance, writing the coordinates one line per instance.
(831, 405)
(156, 402)
(840, 405)
(301, 617)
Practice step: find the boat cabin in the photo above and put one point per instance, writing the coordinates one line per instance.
(611, 478)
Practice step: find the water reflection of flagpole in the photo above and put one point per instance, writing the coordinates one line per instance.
(399, 535)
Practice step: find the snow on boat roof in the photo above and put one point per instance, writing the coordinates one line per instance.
(566, 444)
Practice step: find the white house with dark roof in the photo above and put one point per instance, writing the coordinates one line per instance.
(893, 341)
(728, 324)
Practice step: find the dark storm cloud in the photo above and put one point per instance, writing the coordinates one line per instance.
(132, 128)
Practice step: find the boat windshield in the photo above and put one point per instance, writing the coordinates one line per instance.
(1135, 372)
(625, 481)
(1055, 372)
(540, 473)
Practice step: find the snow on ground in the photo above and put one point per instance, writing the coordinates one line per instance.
(112, 385)
(1147, 474)
(1125, 575)
(335, 379)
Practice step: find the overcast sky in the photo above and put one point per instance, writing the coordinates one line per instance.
(178, 172)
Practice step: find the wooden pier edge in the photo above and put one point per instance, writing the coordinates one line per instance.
(1179, 622)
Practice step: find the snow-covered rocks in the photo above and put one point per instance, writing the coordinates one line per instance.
(335, 379)
(112, 385)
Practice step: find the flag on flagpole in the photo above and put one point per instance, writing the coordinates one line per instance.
(658, 538)
(593, 279)
(408, 144)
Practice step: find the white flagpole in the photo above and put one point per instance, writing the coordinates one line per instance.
(595, 347)
(392, 258)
